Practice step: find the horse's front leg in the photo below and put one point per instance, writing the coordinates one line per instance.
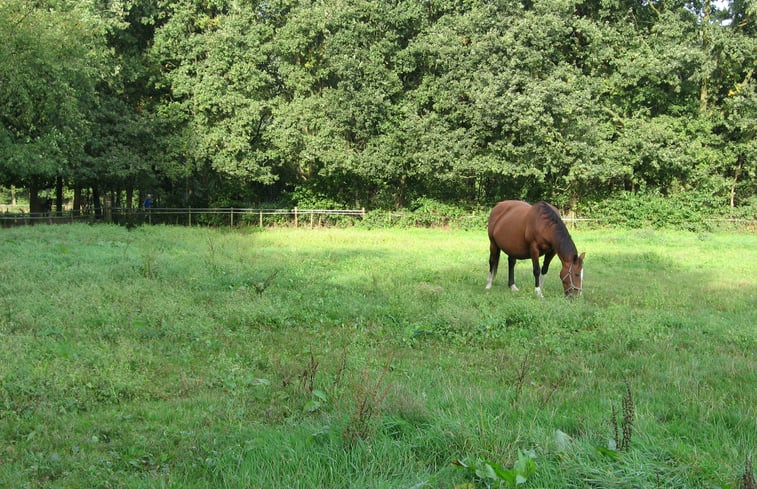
(545, 267)
(535, 262)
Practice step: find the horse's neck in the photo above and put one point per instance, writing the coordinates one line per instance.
(566, 250)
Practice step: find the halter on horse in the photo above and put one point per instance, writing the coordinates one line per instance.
(525, 231)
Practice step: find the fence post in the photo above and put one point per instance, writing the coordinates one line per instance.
(261, 219)
(190, 217)
(311, 219)
(295, 216)
(231, 209)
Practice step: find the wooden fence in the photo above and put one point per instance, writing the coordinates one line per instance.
(229, 216)
(237, 216)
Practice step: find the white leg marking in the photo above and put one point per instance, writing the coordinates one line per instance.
(489, 282)
(541, 280)
(514, 287)
(538, 293)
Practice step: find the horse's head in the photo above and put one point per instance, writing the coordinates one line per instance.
(572, 276)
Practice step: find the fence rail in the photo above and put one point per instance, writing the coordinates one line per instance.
(222, 216)
(242, 216)
(234, 216)
(10, 219)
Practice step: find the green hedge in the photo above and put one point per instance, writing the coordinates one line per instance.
(688, 211)
(692, 211)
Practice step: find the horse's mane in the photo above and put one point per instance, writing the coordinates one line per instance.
(565, 242)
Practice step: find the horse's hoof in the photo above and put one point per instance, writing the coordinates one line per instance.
(514, 288)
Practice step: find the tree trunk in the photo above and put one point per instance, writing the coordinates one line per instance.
(129, 196)
(77, 200)
(736, 180)
(35, 203)
(115, 198)
(400, 196)
(59, 196)
(96, 203)
(704, 87)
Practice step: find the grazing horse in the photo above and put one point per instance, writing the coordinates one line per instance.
(525, 231)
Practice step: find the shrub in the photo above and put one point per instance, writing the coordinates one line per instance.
(680, 211)
(432, 213)
(429, 213)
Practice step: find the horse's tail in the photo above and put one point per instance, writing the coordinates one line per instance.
(494, 254)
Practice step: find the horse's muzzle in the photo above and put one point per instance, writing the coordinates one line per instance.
(573, 293)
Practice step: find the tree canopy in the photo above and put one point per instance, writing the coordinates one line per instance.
(377, 104)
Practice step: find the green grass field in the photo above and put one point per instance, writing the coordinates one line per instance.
(333, 358)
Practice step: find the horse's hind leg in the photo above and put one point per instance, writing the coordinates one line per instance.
(493, 263)
(511, 273)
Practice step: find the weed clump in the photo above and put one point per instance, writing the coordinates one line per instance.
(747, 479)
(369, 398)
(623, 433)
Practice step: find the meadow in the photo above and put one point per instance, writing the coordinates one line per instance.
(372, 358)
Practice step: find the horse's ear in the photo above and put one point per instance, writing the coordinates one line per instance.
(581, 256)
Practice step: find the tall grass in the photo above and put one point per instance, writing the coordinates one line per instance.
(180, 357)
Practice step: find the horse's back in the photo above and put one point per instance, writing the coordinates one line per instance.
(507, 227)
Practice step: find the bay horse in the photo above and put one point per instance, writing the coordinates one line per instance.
(525, 231)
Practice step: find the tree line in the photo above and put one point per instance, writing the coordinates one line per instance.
(378, 104)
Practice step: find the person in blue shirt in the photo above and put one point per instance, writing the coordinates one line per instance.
(148, 202)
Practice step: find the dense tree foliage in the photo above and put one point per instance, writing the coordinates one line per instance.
(378, 104)
(47, 78)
